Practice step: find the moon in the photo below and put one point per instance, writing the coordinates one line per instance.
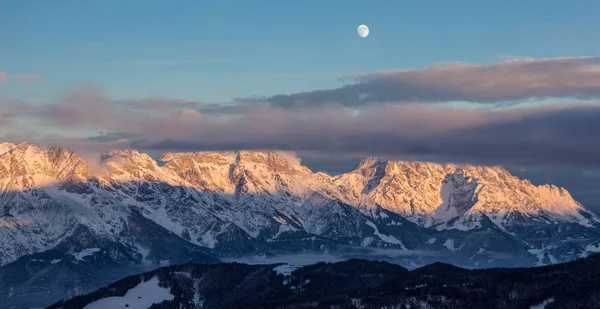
(363, 31)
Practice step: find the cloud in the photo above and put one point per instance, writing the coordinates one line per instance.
(291, 157)
(22, 77)
(553, 135)
(5, 118)
(89, 108)
(534, 136)
(301, 259)
(167, 62)
(511, 80)
(513, 58)
(26, 77)
(160, 103)
(88, 150)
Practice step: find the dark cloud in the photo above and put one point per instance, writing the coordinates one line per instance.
(332, 164)
(160, 103)
(513, 80)
(527, 137)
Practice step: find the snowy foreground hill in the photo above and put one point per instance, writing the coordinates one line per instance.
(69, 226)
(357, 284)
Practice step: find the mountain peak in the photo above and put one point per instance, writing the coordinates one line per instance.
(425, 193)
(277, 160)
(5, 147)
(125, 152)
(28, 166)
(431, 193)
(368, 162)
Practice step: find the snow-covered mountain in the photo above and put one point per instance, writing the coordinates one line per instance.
(128, 212)
(459, 197)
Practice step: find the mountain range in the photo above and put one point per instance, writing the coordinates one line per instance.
(69, 225)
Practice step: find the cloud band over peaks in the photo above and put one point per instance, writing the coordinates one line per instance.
(400, 126)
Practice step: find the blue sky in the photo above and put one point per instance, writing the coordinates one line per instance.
(217, 50)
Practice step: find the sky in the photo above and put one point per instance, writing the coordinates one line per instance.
(511, 83)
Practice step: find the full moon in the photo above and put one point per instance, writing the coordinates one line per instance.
(363, 31)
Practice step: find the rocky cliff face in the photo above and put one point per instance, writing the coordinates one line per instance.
(227, 204)
(459, 197)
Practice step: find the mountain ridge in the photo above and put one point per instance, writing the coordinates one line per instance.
(352, 284)
(232, 204)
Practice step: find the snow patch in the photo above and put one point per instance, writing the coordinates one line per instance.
(387, 238)
(285, 269)
(366, 241)
(208, 240)
(591, 248)
(543, 304)
(142, 296)
(383, 215)
(464, 223)
(498, 219)
(143, 251)
(199, 301)
(444, 212)
(395, 223)
(85, 252)
(541, 255)
(449, 244)
(283, 228)
(357, 302)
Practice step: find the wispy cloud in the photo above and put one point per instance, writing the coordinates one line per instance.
(22, 77)
(166, 61)
(513, 58)
(26, 77)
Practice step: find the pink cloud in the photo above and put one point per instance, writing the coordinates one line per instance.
(26, 77)
(22, 77)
